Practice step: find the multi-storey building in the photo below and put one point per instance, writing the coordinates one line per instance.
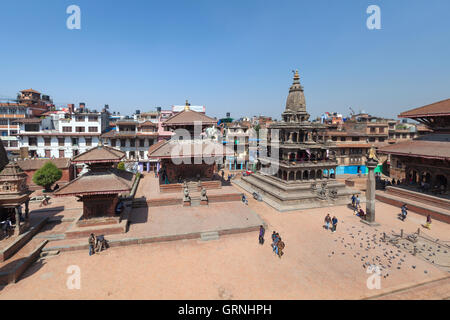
(134, 138)
(61, 134)
(238, 138)
(29, 104)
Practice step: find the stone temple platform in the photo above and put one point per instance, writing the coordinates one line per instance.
(295, 195)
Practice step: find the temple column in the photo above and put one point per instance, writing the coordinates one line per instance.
(17, 229)
(370, 192)
(27, 210)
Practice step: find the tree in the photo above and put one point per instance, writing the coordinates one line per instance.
(121, 166)
(47, 175)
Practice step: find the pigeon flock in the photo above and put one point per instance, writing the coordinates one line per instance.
(367, 247)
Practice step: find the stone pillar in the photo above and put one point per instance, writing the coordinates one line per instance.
(17, 229)
(27, 210)
(370, 191)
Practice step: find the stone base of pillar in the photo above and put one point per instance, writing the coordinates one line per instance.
(370, 223)
(204, 202)
(186, 203)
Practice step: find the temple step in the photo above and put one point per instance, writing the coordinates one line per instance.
(51, 253)
(195, 202)
(51, 236)
(207, 236)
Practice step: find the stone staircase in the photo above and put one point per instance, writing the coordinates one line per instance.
(207, 236)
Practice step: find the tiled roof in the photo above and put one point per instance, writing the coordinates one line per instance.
(12, 171)
(147, 124)
(439, 108)
(188, 117)
(188, 149)
(30, 90)
(35, 164)
(419, 148)
(100, 154)
(28, 120)
(111, 181)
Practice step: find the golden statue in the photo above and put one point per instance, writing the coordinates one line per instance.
(372, 154)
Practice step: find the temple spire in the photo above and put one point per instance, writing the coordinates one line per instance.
(186, 107)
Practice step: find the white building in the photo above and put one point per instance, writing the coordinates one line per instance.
(61, 134)
(134, 138)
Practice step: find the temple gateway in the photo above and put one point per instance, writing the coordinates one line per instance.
(298, 165)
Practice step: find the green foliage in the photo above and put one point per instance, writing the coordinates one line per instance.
(47, 175)
(121, 166)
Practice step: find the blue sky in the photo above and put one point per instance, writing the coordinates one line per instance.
(234, 56)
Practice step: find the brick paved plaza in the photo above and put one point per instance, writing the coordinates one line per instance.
(317, 264)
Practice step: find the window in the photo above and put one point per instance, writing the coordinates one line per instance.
(113, 142)
(47, 153)
(3, 122)
(32, 141)
(343, 139)
(132, 142)
(80, 118)
(381, 139)
(88, 141)
(141, 154)
(80, 129)
(123, 143)
(75, 141)
(67, 129)
(14, 143)
(372, 139)
(93, 129)
(61, 153)
(334, 138)
(61, 142)
(47, 142)
(93, 118)
(372, 130)
(381, 130)
(355, 138)
(141, 143)
(5, 143)
(343, 152)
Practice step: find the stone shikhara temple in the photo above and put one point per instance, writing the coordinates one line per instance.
(14, 193)
(298, 169)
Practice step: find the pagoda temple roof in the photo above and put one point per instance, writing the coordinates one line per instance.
(109, 181)
(440, 108)
(188, 117)
(419, 148)
(99, 154)
(184, 149)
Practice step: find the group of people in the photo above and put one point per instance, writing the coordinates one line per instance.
(7, 227)
(356, 205)
(330, 221)
(277, 244)
(97, 244)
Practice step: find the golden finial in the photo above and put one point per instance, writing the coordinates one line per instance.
(186, 107)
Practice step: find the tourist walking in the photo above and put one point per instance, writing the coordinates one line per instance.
(276, 238)
(261, 234)
(91, 244)
(404, 212)
(334, 221)
(353, 200)
(357, 201)
(428, 223)
(327, 221)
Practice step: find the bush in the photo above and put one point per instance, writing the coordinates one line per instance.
(47, 175)
(121, 166)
